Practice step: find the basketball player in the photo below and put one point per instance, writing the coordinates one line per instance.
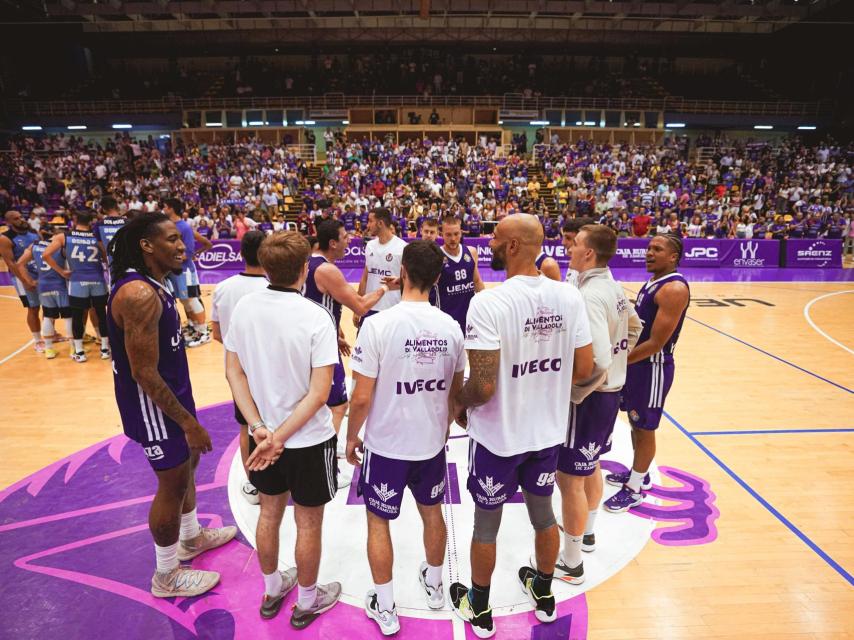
(186, 284)
(87, 287)
(52, 290)
(614, 327)
(460, 278)
(430, 229)
(280, 374)
(382, 262)
(327, 286)
(13, 242)
(569, 230)
(112, 221)
(225, 297)
(662, 303)
(155, 398)
(408, 361)
(547, 266)
(527, 340)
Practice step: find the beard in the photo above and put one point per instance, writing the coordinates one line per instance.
(497, 263)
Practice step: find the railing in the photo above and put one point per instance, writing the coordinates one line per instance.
(338, 101)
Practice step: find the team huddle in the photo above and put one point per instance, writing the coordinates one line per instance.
(549, 365)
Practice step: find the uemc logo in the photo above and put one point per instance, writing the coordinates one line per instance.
(410, 388)
(536, 366)
(217, 256)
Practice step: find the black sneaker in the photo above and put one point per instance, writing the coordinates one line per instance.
(544, 605)
(481, 623)
(572, 575)
(588, 543)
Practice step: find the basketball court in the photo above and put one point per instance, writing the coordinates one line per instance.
(747, 532)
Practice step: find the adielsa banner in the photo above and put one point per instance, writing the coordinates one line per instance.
(812, 252)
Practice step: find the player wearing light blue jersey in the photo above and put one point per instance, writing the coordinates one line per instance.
(13, 243)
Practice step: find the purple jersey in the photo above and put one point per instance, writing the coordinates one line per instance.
(647, 309)
(455, 289)
(143, 421)
(312, 292)
(540, 260)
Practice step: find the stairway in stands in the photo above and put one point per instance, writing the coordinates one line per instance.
(546, 193)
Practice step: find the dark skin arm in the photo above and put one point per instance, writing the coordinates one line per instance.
(137, 309)
(15, 268)
(671, 299)
(481, 385)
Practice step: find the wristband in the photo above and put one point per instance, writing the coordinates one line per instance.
(384, 287)
(256, 426)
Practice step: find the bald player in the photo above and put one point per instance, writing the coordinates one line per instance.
(527, 338)
(13, 242)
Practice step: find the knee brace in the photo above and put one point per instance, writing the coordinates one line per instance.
(192, 305)
(486, 523)
(540, 510)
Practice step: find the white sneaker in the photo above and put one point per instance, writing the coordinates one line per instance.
(345, 477)
(105, 354)
(80, 356)
(387, 621)
(434, 596)
(201, 338)
(250, 493)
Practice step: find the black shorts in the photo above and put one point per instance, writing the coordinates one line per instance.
(309, 473)
(56, 312)
(238, 417)
(85, 303)
(194, 291)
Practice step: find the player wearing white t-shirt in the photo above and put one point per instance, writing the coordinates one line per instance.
(568, 232)
(527, 340)
(382, 262)
(615, 328)
(225, 297)
(280, 375)
(407, 363)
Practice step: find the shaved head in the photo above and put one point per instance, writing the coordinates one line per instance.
(517, 240)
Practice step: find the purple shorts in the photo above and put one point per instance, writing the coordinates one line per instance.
(162, 441)
(382, 481)
(493, 479)
(338, 392)
(647, 385)
(588, 435)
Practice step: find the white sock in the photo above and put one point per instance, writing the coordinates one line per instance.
(434, 575)
(201, 327)
(167, 557)
(78, 345)
(105, 344)
(591, 521)
(307, 596)
(48, 332)
(68, 329)
(385, 596)
(635, 480)
(272, 583)
(572, 550)
(189, 525)
(36, 336)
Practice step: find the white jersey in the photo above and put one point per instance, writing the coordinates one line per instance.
(614, 327)
(537, 323)
(278, 356)
(413, 351)
(229, 292)
(382, 261)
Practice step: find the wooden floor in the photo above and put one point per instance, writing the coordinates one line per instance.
(780, 566)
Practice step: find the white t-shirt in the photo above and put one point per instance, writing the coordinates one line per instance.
(229, 292)
(381, 261)
(278, 357)
(537, 323)
(413, 351)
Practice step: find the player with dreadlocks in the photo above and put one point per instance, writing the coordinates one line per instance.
(155, 398)
(661, 305)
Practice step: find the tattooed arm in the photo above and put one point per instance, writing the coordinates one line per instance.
(137, 310)
(483, 379)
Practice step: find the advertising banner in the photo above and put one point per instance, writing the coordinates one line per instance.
(811, 252)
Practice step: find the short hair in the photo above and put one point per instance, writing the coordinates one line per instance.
(283, 256)
(573, 225)
(381, 214)
(450, 219)
(327, 231)
(108, 203)
(423, 261)
(675, 243)
(603, 240)
(430, 222)
(249, 245)
(84, 216)
(176, 205)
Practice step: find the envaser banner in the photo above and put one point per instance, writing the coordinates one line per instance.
(813, 252)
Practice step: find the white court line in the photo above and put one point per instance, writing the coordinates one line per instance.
(3, 295)
(12, 355)
(816, 327)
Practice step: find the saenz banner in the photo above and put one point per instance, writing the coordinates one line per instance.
(811, 252)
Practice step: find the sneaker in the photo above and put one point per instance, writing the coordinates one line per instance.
(80, 356)
(188, 332)
(344, 478)
(623, 500)
(327, 596)
(435, 597)
(183, 582)
(50, 354)
(387, 621)
(250, 493)
(570, 575)
(619, 479)
(588, 542)
(206, 540)
(199, 339)
(544, 605)
(271, 605)
(39, 346)
(105, 354)
(481, 623)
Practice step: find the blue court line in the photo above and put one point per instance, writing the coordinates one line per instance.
(791, 364)
(800, 534)
(753, 432)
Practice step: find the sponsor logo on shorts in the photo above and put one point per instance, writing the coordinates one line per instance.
(154, 453)
(591, 451)
(383, 492)
(545, 323)
(437, 490)
(490, 488)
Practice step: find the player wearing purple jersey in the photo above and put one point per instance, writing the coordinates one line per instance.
(155, 398)
(662, 303)
(547, 265)
(460, 278)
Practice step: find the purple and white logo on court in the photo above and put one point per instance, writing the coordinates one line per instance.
(425, 347)
(543, 325)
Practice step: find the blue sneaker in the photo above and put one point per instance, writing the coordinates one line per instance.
(623, 500)
(619, 479)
